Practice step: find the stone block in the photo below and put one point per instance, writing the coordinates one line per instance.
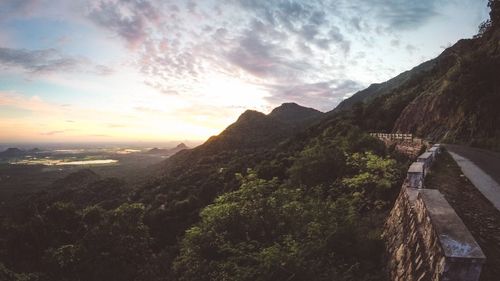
(415, 175)
(427, 159)
(462, 258)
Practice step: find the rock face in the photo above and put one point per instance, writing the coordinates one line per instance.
(426, 240)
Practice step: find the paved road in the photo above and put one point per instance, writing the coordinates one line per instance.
(481, 167)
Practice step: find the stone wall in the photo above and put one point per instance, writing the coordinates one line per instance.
(405, 247)
(426, 240)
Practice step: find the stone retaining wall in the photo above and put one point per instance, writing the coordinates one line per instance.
(425, 238)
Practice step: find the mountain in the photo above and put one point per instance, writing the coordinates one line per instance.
(253, 133)
(84, 188)
(294, 114)
(181, 146)
(192, 178)
(77, 179)
(12, 152)
(385, 88)
(168, 151)
(157, 150)
(254, 130)
(453, 98)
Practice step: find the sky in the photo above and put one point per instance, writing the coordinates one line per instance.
(151, 70)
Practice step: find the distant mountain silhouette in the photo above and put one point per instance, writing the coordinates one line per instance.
(256, 129)
(181, 146)
(12, 152)
(168, 151)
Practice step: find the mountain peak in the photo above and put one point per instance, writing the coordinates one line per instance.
(182, 146)
(249, 115)
(291, 112)
(12, 152)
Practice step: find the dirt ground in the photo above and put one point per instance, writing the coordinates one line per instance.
(479, 215)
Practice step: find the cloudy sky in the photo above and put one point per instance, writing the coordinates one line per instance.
(150, 70)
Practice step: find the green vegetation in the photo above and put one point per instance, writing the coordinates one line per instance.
(268, 230)
(307, 204)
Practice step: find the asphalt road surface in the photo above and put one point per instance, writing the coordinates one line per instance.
(481, 167)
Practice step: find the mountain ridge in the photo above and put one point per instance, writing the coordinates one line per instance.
(452, 98)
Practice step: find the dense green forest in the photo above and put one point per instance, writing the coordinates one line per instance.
(311, 202)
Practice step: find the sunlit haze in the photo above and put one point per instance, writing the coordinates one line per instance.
(144, 70)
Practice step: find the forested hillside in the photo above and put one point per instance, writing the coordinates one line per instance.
(299, 197)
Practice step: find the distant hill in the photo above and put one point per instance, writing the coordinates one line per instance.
(168, 151)
(84, 187)
(12, 152)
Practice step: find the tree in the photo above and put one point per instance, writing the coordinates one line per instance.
(494, 19)
(270, 231)
(372, 177)
(317, 163)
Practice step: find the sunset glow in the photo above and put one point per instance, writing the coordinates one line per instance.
(109, 70)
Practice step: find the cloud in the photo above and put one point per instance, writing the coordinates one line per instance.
(403, 14)
(395, 42)
(116, 125)
(9, 8)
(145, 109)
(321, 95)
(33, 103)
(130, 19)
(290, 44)
(47, 61)
(411, 48)
(51, 133)
(262, 58)
(103, 70)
